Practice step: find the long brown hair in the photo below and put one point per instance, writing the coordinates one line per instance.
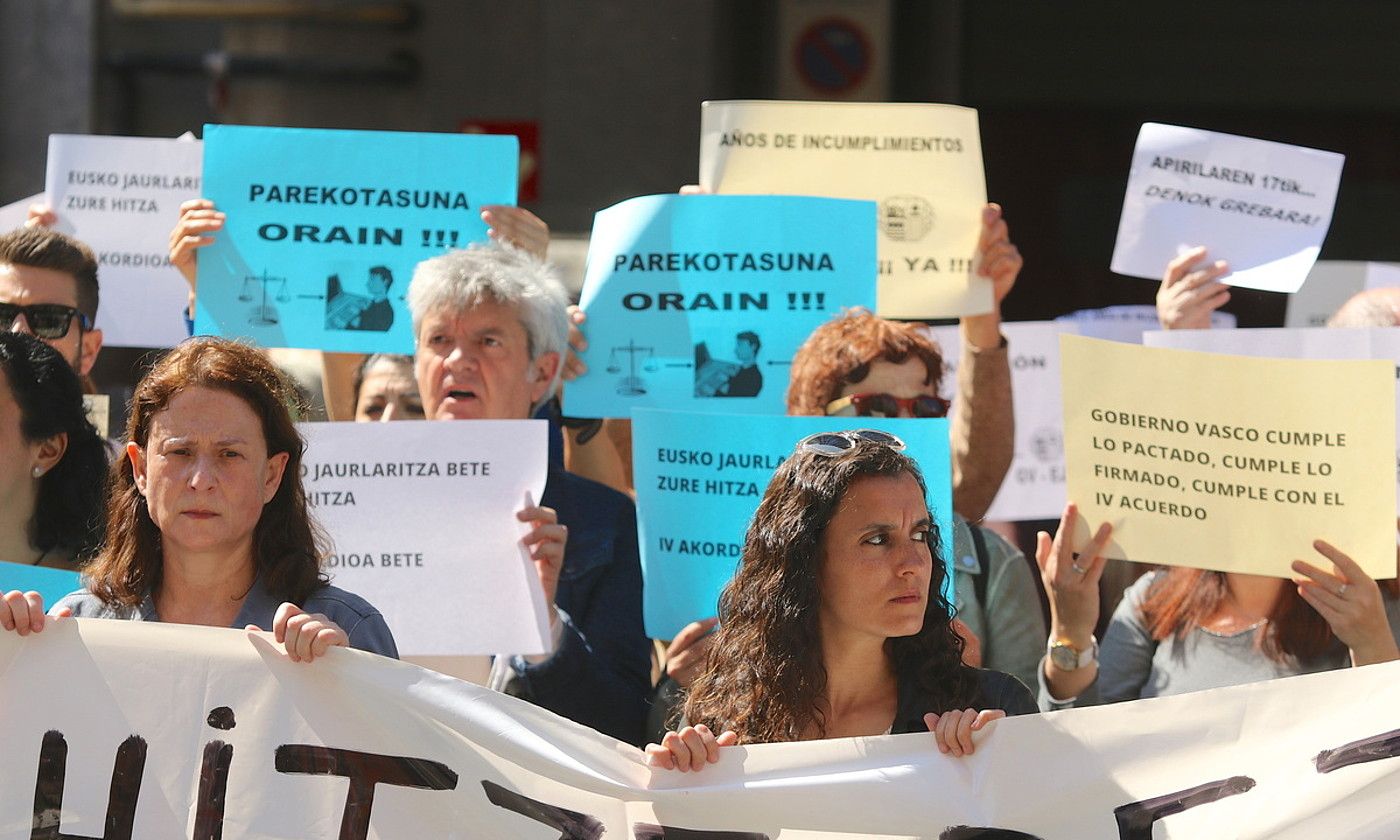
(765, 677)
(840, 351)
(287, 544)
(1180, 600)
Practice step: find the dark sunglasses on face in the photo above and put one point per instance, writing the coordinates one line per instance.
(45, 320)
(888, 405)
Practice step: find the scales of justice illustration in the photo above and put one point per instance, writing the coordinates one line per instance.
(632, 385)
(265, 313)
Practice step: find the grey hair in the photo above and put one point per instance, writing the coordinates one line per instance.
(460, 280)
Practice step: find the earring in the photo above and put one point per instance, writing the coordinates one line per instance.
(37, 472)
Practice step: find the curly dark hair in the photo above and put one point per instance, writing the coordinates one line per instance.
(765, 677)
(68, 512)
(287, 544)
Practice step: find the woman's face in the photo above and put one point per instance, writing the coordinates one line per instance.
(205, 471)
(905, 380)
(388, 392)
(876, 560)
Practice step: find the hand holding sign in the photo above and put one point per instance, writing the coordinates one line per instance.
(304, 635)
(545, 542)
(23, 612)
(1191, 291)
(1351, 603)
(998, 260)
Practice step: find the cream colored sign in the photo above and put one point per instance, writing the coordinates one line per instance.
(1230, 463)
(921, 164)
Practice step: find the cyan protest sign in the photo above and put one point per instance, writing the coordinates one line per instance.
(324, 228)
(697, 302)
(50, 583)
(700, 477)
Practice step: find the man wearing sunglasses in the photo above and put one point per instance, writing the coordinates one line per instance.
(48, 288)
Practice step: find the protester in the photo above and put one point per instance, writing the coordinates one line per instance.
(1179, 630)
(835, 624)
(52, 460)
(1378, 307)
(860, 364)
(48, 288)
(490, 328)
(386, 390)
(208, 522)
(1191, 290)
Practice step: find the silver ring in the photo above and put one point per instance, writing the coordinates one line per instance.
(1342, 590)
(1080, 569)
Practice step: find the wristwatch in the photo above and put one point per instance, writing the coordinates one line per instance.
(1067, 657)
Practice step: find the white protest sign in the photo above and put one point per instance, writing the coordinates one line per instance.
(1301, 343)
(121, 196)
(121, 729)
(15, 214)
(1261, 206)
(1330, 284)
(921, 163)
(1127, 323)
(423, 520)
(1034, 487)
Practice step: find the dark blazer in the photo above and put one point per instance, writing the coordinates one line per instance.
(600, 675)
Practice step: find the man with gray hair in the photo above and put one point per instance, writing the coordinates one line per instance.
(491, 330)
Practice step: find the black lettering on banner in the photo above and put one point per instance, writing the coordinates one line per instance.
(127, 769)
(1376, 748)
(1136, 818)
(364, 770)
(651, 831)
(213, 791)
(571, 825)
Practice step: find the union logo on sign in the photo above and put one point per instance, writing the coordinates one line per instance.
(906, 218)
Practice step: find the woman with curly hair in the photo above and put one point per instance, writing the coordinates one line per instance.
(835, 624)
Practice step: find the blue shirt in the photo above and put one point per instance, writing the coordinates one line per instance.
(361, 622)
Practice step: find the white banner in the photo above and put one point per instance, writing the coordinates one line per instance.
(1261, 206)
(121, 196)
(122, 729)
(423, 520)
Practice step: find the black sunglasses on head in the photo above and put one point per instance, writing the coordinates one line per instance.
(45, 320)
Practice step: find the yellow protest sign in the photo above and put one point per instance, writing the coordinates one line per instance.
(1230, 463)
(921, 163)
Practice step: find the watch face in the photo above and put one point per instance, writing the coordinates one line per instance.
(1064, 657)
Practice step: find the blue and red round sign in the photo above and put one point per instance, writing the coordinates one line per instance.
(833, 55)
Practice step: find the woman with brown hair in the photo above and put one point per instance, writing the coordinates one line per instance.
(208, 521)
(835, 624)
(1179, 629)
